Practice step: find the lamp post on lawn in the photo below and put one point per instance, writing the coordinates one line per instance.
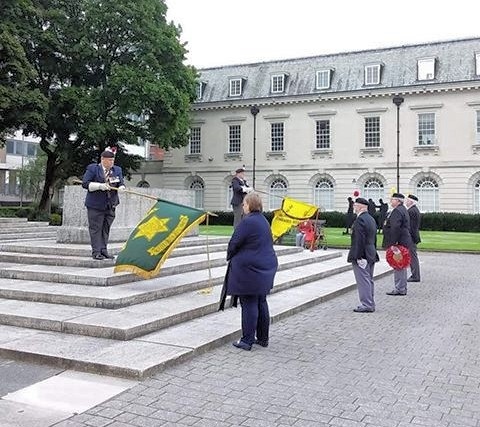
(254, 111)
(398, 100)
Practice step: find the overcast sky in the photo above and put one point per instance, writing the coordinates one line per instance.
(222, 32)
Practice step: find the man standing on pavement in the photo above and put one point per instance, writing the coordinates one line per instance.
(396, 231)
(240, 188)
(415, 216)
(363, 255)
(101, 200)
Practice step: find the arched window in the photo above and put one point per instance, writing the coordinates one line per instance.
(476, 197)
(198, 188)
(323, 194)
(229, 197)
(427, 191)
(373, 189)
(278, 190)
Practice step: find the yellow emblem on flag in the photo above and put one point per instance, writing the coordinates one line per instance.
(289, 215)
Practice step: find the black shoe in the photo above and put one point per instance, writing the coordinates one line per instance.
(361, 309)
(107, 255)
(98, 257)
(411, 279)
(262, 343)
(242, 345)
(396, 293)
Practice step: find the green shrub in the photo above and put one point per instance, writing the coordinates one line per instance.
(450, 221)
(55, 219)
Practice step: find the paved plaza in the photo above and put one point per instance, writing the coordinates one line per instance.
(415, 362)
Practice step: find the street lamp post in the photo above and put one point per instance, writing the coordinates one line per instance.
(398, 100)
(254, 110)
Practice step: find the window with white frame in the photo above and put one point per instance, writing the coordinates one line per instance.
(235, 87)
(199, 89)
(373, 189)
(323, 79)
(372, 132)
(21, 148)
(427, 193)
(278, 83)
(278, 190)
(277, 136)
(323, 194)
(477, 64)
(476, 198)
(198, 188)
(234, 138)
(426, 129)
(229, 197)
(195, 141)
(478, 128)
(372, 74)
(426, 69)
(322, 134)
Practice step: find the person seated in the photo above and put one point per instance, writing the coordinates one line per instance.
(305, 232)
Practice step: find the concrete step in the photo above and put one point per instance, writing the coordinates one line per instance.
(104, 276)
(140, 319)
(12, 220)
(143, 356)
(125, 294)
(51, 247)
(28, 235)
(26, 229)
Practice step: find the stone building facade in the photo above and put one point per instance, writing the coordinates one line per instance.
(327, 125)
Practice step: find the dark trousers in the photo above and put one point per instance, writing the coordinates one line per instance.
(99, 223)
(255, 318)
(237, 214)
(414, 264)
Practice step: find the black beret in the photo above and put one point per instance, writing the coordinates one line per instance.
(108, 154)
(398, 196)
(239, 170)
(362, 201)
(413, 197)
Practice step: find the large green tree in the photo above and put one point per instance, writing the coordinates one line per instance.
(112, 72)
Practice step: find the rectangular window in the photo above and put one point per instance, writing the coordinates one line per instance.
(478, 127)
(31, 149)
(235, 87)
(234, 139)
(322, 134)
(323, 79)
(372, 74)
(194, 145)
(426, 69)
(426, 129)
(277, 135)
(10, 146)
(372, 132)
(278, 83)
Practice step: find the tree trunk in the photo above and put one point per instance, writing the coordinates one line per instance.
(46, 200)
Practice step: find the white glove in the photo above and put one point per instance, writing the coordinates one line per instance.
(244, 188)
(96, 186)
(121, 189)
(362, 263)
(250, 189)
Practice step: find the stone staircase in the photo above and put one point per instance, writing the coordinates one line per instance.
(59, 306)
(17, 229)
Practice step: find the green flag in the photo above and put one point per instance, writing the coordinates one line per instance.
(152, 240)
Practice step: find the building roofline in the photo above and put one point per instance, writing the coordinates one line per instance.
(345, 53)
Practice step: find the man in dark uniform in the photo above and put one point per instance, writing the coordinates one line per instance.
(396, 231)
(415, 216)
(349, 217)
(382, 214)
(240, 188)
(363, 255)
(101, 200)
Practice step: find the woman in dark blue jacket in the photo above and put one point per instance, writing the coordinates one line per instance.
(252, 268)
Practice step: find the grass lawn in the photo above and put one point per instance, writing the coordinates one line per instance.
(444, 241)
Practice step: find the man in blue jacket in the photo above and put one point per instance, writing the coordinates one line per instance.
(103, 181)
(363, 255)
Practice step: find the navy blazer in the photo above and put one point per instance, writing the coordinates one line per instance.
(396, 230)
(414, 215)
(364, 239)
(238, 194)
(253, 262)
(102, 200)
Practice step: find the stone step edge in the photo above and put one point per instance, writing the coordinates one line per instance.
(62, 361)
(76, 327)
